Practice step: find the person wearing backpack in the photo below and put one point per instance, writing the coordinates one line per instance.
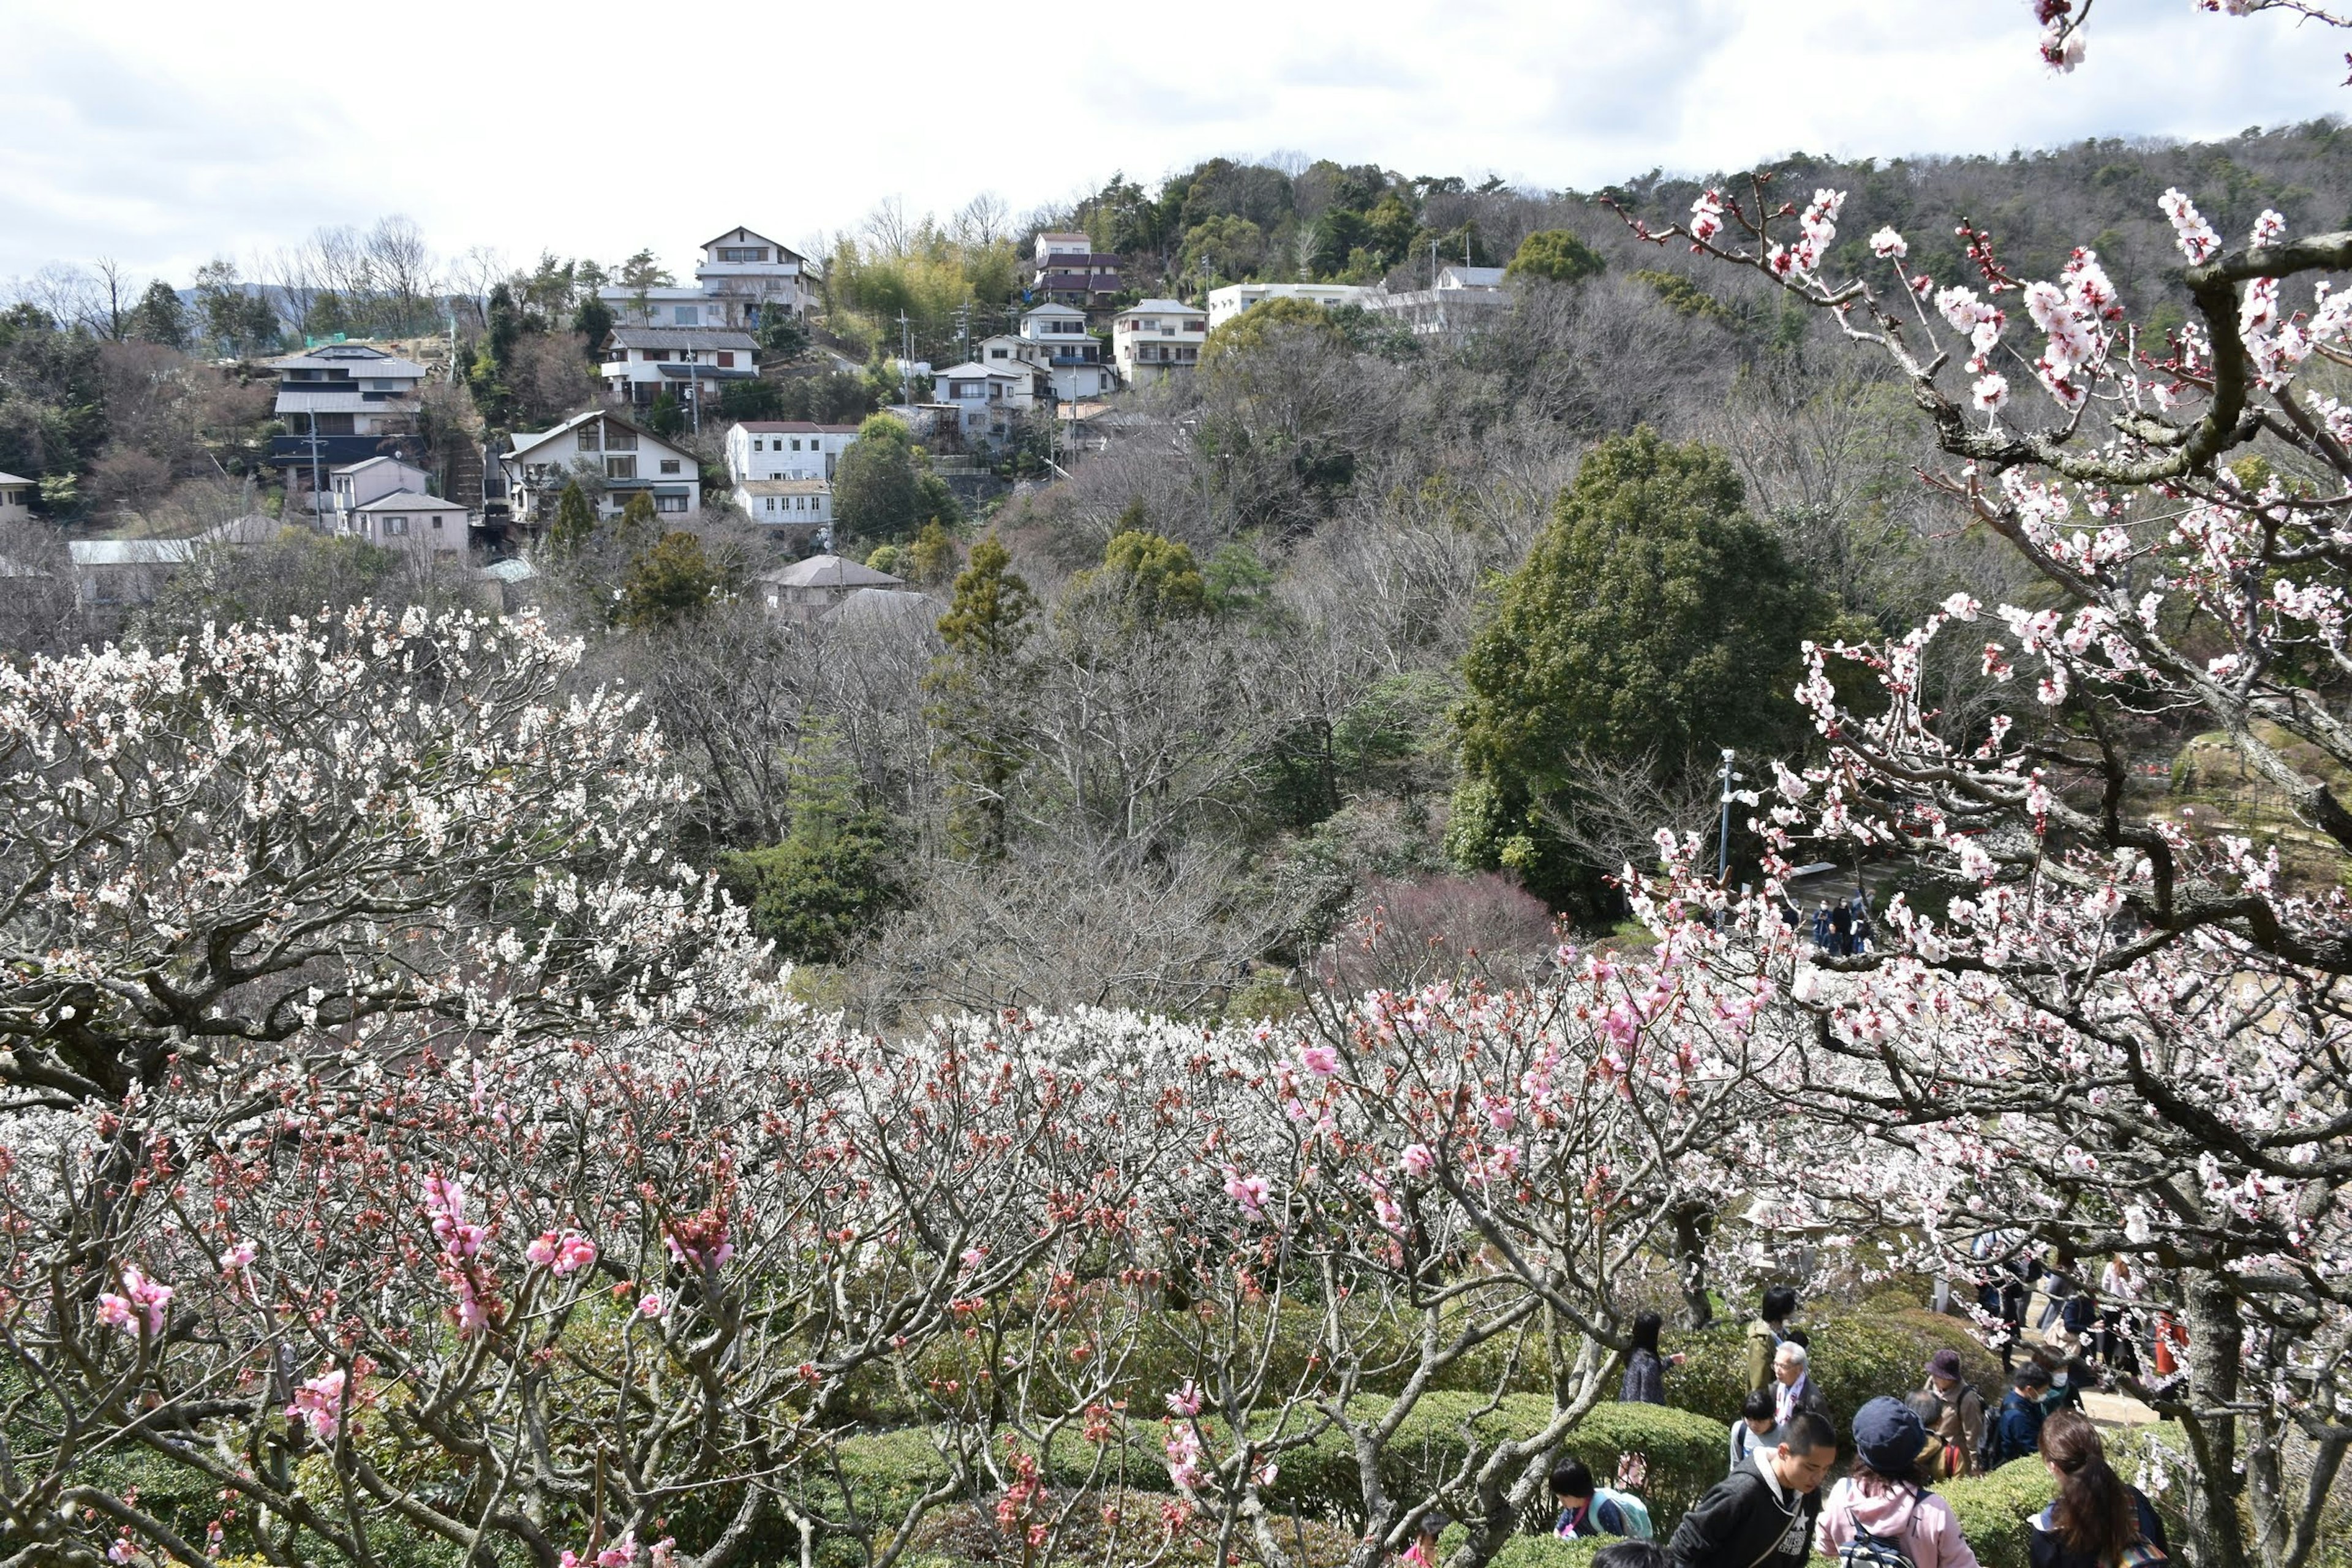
(1763, 1516)
(2016, 1432)
(1960, 1418)
(1766, 1332)
(1881, 1515)
(1587, 1509)
(2099, 1521)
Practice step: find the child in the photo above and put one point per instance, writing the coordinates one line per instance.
(1423, 1552)
(1583, 1510)
(1756, 1428)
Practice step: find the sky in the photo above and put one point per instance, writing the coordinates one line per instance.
(159, 136)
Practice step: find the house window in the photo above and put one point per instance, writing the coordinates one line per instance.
(669, 465)
(620, 468)
(669, 503)
(796, 442)
(620, 441)
(686, 315)
(755, 445)
(772, 504)
(589, 437)
(437, 525)
(394, 525)
(726, 359)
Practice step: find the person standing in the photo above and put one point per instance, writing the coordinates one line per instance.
(1959, 1417)
(2017, 1431)
(1765, 1333)
(1761, 1516)
(1841, 931)
(1759, 1427)
(2118, 1318)
(1645, 1369)
(1884, 1497)
(2098, 1516)
(1795, 1395)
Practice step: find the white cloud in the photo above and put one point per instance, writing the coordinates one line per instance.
(162, 134)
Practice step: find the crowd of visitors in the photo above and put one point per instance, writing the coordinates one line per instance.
(1772, 1511)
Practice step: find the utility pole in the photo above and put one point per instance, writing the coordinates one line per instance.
(315, 507)
(1723, 842)
(906, 352)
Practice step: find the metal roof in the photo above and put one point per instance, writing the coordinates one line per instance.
(794, 427)
(1162, 308)
(886, 606)
(367, 463)
(13, 479)
(785, 487)
(524, 441)
(132, 552)
(409, 501)
(300, 399)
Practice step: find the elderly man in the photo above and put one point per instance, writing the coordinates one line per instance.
(1793, 1392)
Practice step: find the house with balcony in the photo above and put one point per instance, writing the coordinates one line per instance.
(611, 458)
(1055, 339)
(1464, 300)
(1231, 300)
(744, 279)
(341, 403)
(982, 402)
(1157, 339)
(689, 362)
(1070, 272)
(16, 499)
(786, 449)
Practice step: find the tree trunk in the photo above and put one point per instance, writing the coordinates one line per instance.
(2217, 1526)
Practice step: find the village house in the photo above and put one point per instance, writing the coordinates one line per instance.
(612, 459)
(744, 279)
(786, 449)
(1231, 300)
(1054, 339)
(642, 362)
(16, 499)
(1155, 339)
(1070, 272)
(1464, 300)
(341, 403)
(805, 590)
(984, 401)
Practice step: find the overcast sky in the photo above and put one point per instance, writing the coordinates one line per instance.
(161, 134)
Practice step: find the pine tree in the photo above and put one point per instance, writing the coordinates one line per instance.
(979, 686)
(575, 520)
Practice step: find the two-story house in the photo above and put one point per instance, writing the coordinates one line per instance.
(1070, 272)
(981, 401)
(388, 502)
(1011, 355)
(1157, 339)
(783, 470)
(341, 403)
(1231, 300)
(744, 279)
(1054, 338)
(641, 362)
(613, 459)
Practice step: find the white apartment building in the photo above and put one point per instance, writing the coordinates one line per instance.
(615, 458)
(1231, 300)
(744, 279)
(1465, 299)
(786, 449)
(1157, 339)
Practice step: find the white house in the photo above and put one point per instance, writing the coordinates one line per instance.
(615, 458)
(1465, 299)
(353, 485)
(786, 449)
(641, 362)
(744, 279)
(807, 589)
(803, 504)
(983, 400)
(1007, 353)
(16, 499)
(1231, 300)
(1157, 339)
(421, 525)
(1054, 339)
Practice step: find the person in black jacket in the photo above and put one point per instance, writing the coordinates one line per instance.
(1763, 1516)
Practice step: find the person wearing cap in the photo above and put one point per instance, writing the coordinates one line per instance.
(2017, 1433)
(1883, 1496)
(1959, 1409)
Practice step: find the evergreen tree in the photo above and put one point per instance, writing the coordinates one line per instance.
(594, 321)
(839, 871)
(575, 520)
(1556, 256)
(931, 559)
(884, 489)
(160, 317)
(980, 688)
(1654, 621)
(673, 580)
(1151, 577)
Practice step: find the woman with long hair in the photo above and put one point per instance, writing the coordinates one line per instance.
(2100, 1521)
(1645, 1369)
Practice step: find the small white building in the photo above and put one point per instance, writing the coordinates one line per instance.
(1054, 339)
(1231, 300)
(744, 279)
(784, 504)
(805, 590)
(1157, 339)
(690, 362)
(983, 400)
(355, 485)
(613, 459)
(1465, 299)
(786, 449)
(410, 520)
(16, 499)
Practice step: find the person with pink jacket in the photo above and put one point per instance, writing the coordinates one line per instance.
(1883, 1498)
